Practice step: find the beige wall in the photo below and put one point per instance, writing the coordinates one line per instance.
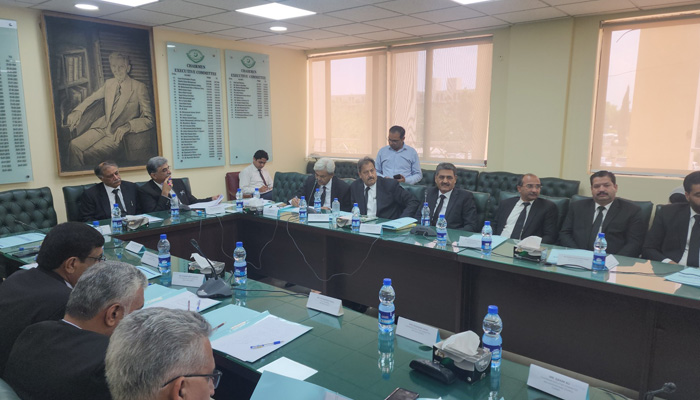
(288, 106)
(543, 88)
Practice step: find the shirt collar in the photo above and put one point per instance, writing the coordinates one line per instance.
(109, 188)
(607, 208)
(447, 195)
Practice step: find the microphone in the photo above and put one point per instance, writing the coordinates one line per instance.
(26, 225)
(668, 387)
(213, 286)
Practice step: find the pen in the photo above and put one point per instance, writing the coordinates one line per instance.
(218, 326)
(199, 303)
(239, 325)
(188, 305)
(154, 300)
(266, 344)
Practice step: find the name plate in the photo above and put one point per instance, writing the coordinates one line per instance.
(271, 211)
(187, 279)
(319, 217)
(473, 242)
(416, 331)
(372, 229)
(134, 247)
(218, 209)
(556, 384)
(150, 259)
(325, 304)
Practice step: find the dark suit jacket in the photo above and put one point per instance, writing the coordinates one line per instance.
(461, 210)
(55, 360)
(668, 234)
(542, 219)
(151, 200)
(392, 200)
(339, 189)
(28, 297)
(95, 205)
(623, 227)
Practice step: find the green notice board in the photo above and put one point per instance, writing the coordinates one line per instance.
(249, 122)
(195, 106)
(15, 156)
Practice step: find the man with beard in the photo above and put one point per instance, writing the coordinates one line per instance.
(619, 219)
(457, 204)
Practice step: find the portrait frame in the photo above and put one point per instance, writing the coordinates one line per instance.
(98, 115)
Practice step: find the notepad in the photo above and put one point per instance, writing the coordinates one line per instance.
(161, 296)
(18, 240)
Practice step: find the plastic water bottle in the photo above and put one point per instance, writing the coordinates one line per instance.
(441, 226)
(386, 306)
(425, 215)
(492, 335)
(385, 349)
(355, 218)
(164, 260)
(256, 194)
(303, 218)
(317, 200)
(599, 254)
(335, 213)
(240, 269)
(116, 219)
(486, 233)
(174, 207)
(239, 200)
(96, 225)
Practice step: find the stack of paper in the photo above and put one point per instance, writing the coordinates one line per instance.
(688, 276)
(182, 299)
(401, 223)
(579, 258)
(18, 240)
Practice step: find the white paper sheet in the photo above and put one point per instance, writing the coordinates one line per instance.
(206, 204)
(180, 302)
(288, 368)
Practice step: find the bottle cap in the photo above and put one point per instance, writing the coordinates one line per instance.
(303, 197)
(239, 244)
(387, 281)
(425, 204)
(94, 223)
(335, 199)
(487, 223)
(318, 190)
(354, 205)
(173, 195)
(115, 205)
(493, 309)
(163, 236)
(442, 215)
(601, 235)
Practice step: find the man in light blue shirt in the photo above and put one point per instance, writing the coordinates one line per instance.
(397, 160)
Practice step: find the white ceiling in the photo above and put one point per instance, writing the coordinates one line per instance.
(340, 23)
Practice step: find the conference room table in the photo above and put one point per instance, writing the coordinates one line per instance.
(629, 327)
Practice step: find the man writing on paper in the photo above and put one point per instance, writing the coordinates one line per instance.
(66, 359)
(255, 176)
(155, 195)
(527, 215)
(161, 354)
(96, 203)
(380, 197)
(619, 219)
(675, 234)
(457, 204)
(41, 293)
(397, 160)
(328, 184)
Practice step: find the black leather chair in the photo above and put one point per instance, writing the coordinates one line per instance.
(482, 201)
(287, 184)
(492, 183)
(418, 191)
(466, 178)
(72, 196)
(428, 178)
(557, 187)
(33, 207)
(343, 169)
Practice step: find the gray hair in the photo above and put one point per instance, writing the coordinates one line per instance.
(152, 346)
(154, 163)
(444, 166)
(325, 164)
(364, 160)
(101, 167)
(102, 285)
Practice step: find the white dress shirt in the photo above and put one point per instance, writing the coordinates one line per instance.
(691, 223)
(371, 200)
(444, 203)
(328, 201)
(514, 215)
(249, 179)
(112, 199)
(605, 214)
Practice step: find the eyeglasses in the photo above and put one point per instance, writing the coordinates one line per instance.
(98, 259)
(215, 378)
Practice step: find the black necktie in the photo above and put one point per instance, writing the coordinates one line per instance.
(520, 223)
(323, 196)
(694, 244)
(596, 226)
(118, 201)
(436, 214)
(366, 197)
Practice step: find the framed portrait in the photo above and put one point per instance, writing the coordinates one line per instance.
(103, 89)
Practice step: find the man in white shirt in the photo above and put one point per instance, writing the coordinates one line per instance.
(255, 177)
(96, 203)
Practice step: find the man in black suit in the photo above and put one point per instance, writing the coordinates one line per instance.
(96, 203)
(675, 234)
(384, 197)
(155, 194)
(619, 219)
(40, 294)
(457, 204)
(66, 359)
(325, 180)
(527, 215)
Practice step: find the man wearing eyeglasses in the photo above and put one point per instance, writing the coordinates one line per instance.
(527, 214)
(161, 354)
(397, 160)
(96, 203)
(41, 293)
(64, 360)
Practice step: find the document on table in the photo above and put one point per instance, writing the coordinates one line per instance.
(151, 218)
(289, 368)
(275, 386)
(160, 296)
(18, 240)
(204, 204)
(689, 276)
(233, 318)
(149, 272)
(474, 241)
(265, 336)
(578, 257)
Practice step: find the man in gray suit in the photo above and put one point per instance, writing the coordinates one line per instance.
(127, 110)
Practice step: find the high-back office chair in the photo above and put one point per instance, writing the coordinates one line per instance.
(26, 209)
(482, 201)
(232, 184)
(72, 196)
(287, 184)
(492, 183)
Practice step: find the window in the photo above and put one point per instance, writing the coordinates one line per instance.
(647, 111)
(439, 93)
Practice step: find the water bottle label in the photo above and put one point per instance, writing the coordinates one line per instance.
(425, 222)
(441, 236)
(486, 245)
(386, 317)
(163, 262)
(599, 259)
(240, 270)
(495, 351)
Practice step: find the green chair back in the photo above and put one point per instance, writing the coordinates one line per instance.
(33, 207)
(418, 191)
(482, 201)
(72, 196)
(287, 184)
